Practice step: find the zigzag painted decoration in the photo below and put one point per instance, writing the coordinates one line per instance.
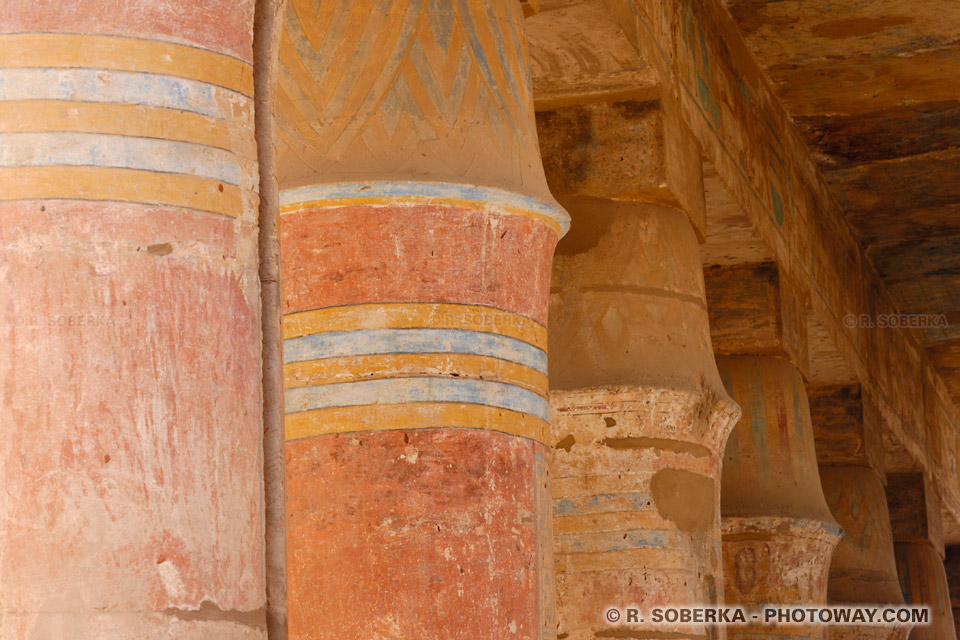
(406, 88)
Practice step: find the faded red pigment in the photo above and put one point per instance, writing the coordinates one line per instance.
(412, 534)
(423, 253)
(424, 533)
(218, 25)
(174, 337)
(131, 460)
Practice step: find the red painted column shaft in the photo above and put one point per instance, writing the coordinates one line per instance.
(129, 322)
(416, 238)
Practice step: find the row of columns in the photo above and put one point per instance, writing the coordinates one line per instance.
(427, 493)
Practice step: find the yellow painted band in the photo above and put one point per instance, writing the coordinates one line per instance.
(429, 200)
(414, 415)
(82, 51)
(654, 559)
(416, 316)
(28, 116)
(615, 521)
(410, 365)
(123, 185)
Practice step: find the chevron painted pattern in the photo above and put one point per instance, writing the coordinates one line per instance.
(404, 86)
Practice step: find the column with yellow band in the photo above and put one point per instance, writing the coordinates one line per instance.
(416, 240)
(129, 316)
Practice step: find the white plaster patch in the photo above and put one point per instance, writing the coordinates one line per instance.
(171, 578)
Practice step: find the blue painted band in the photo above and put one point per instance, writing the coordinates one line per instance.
(606, 502)
(335, 344)
(125, 87)
(406, 390)
(99, 150)
(613, 541)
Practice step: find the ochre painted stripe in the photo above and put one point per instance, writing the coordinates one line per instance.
(82, 51)
(649, 558)
(648, 519)
(421, 200)
(123, 185)
(407, 365)
(416, 316)
(22, 116)
(425, 415)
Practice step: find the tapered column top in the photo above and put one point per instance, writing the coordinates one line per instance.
(411, 90)
(770, 465)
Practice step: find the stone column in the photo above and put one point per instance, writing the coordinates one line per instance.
(640, 415)
(417, 233)
(850, 452)
(918, 544)
(129, 318)
(951, 564)
(924, 582)
(863, 569)
(640, 418)
(778, 533)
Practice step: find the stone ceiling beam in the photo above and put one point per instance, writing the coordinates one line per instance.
(914, 510)
(631, 150)
(846, 428)
(756, 310)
